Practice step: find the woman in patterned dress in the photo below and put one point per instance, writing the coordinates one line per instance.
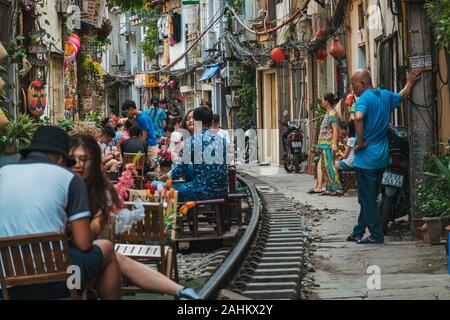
(328, 145)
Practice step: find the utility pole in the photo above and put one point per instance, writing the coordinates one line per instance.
(421, 109)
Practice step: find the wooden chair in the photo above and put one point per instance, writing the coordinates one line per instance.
(135, 243)
(34, 259)
(206, 210)
(140, 165)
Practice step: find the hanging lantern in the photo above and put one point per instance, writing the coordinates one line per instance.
(336, 49)
(75, 41)
(321, 55)
(278, 55)
(36, 98)
(172, 84)
(181, 97)
(161, 85)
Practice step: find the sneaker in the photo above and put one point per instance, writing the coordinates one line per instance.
(188, 294)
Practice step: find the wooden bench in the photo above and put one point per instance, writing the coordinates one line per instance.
(34, 259)
(135, 243)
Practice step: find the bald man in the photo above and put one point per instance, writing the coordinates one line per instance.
(372, 115)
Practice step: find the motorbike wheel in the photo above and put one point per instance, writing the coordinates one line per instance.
(288, 165)
(386, 211)
(296, 163)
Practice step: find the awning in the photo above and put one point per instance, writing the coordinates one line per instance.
(210, 72)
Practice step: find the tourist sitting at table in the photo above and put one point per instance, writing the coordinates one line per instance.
(206, 152)
(104, 202)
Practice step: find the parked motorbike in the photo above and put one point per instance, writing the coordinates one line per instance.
(292, 147)
(394, 201)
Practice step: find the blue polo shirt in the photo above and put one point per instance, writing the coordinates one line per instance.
(157, 115)
(376, 106)
(38, 196)
(145, 123)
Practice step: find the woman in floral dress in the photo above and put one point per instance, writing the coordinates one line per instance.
(328, 145)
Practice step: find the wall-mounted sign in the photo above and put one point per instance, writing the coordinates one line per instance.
(145, 80)
(187, 2)
(417, 62)
(93, 12)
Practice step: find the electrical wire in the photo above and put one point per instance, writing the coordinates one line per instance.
(260, 33)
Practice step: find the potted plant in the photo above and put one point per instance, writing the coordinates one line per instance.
(434, 198)
(14, 136)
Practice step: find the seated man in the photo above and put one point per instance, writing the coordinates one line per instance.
(206, 152)
(40, 195)
(134, 144)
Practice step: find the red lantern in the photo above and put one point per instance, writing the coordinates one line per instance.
(336, 49)
(278, 55)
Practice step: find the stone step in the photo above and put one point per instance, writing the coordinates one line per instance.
(280, 259)
(268, 265)
(284, 239)
(271, 285)
(271, 294)
(283, 253)
(274, 250)
(270, 245)
(276, 271)
(277, 278)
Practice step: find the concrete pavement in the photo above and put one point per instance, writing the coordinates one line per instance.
(408, 270)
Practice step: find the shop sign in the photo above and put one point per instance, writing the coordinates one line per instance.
(93, 12)
(139, 80)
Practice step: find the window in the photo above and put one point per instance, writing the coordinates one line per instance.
(362, 57)
(361, 16)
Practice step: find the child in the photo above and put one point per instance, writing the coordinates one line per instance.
(346, 162)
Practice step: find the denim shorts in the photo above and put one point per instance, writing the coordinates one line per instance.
(90, 264)
(343, 166)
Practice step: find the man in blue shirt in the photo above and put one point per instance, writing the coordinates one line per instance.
(372, 115)
(148, 135)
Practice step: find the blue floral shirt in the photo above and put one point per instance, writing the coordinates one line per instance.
(206, 152)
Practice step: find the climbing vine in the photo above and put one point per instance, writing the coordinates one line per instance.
(150, 42)
(247, 113)
(439, 13)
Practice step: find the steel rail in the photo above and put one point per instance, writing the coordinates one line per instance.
(222, 276)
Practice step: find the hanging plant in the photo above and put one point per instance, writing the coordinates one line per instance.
(439, 13)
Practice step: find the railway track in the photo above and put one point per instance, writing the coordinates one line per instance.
(269, 261)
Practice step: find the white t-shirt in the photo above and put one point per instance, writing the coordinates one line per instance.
(351, 142)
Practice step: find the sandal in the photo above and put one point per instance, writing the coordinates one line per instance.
(313, 191)
(353, 239)
(337, 194)
(326, 193)
(368, 240)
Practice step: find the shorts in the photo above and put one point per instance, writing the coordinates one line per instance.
(343, 166)
(90, 263)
